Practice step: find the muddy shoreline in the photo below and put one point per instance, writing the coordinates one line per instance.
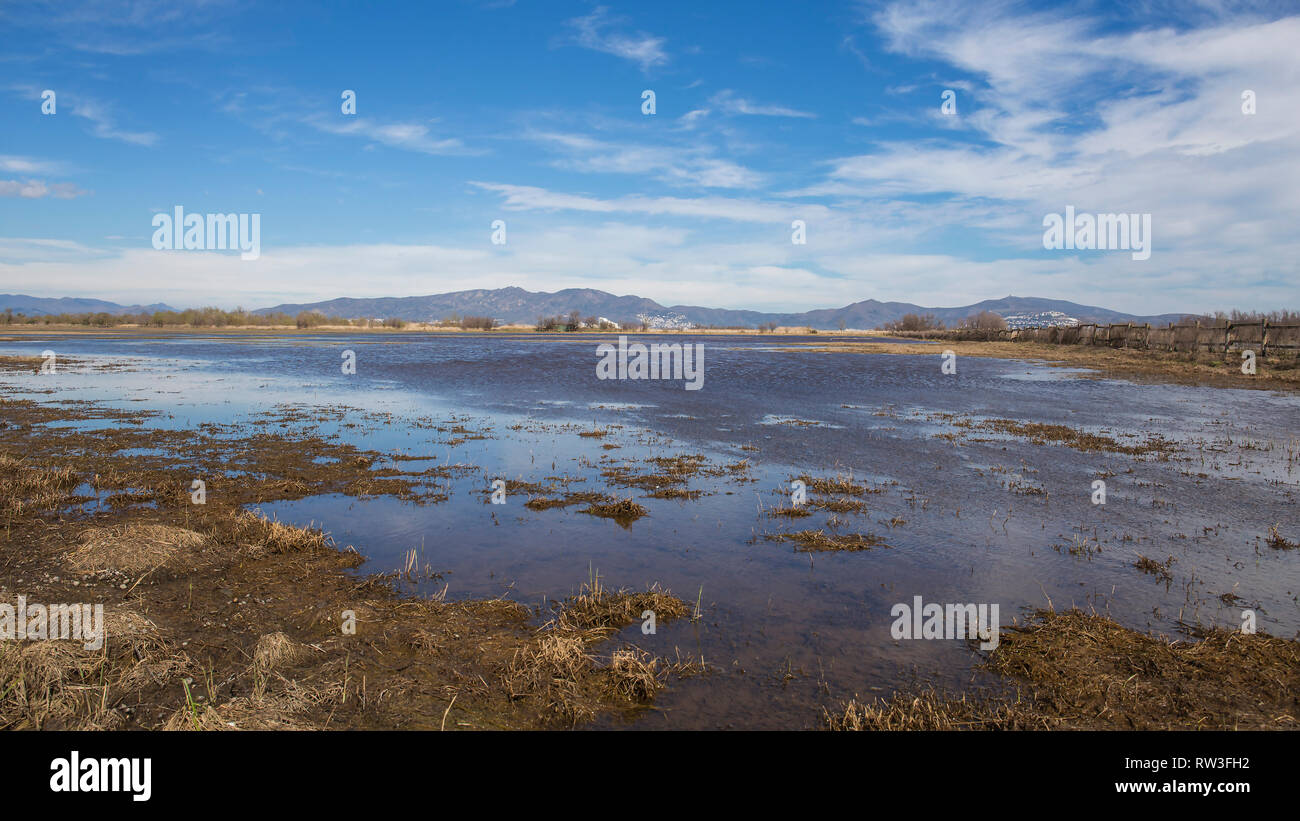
(1272, 373)
(217, 618)
(221, 619)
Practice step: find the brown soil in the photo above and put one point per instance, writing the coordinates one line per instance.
(1081, 671)
(220, 619)
(1272, 373)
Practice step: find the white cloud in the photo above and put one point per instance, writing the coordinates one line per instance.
(409, 136)
(678, 165)
(30, 165)
(104, 125)
(593, 32)
(1064, 110)
(727, 101)
(524, 197)
(38, 189)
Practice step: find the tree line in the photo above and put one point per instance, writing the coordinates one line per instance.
(194, 318)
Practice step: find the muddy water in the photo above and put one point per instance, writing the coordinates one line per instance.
(968, 515)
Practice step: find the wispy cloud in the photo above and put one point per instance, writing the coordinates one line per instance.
(525, 198)
(726, 100)
(39, 189)
(595, 32)
(408, 136)
(104, 125)
(692, 165)
(125, 28)
(1065, 109)
(30, 165)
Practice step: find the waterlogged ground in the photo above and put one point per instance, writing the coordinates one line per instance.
(978, 487)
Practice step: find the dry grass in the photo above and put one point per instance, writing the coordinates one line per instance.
(1154, 568)
(1040, 433)
(248, 610)
(841, 505)
(31, 364)
(623, 511)
(286, 710)
(1277, 542)
(263, 535)
(25, 488)
(61, 685)
(584, 497)
(596, 608)
(834, 486)
(132, 548)
(554, 670)
(791, 512)
(930, 710)
(1083, 671)
(674, 493)
(559, 670)
(276, 650)
(633, 675)
(1274, 372)
(817, 541)
(273, 651)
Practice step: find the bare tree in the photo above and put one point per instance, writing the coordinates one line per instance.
(984, 321)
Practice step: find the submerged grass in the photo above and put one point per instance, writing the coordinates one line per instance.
(1276, 541)
(818, 541)
(623, 511)
(256, 624)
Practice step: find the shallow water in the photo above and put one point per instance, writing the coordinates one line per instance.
(968, 515)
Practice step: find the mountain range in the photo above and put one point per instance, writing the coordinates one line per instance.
(518, 306)
(41, 306)
(515, 305)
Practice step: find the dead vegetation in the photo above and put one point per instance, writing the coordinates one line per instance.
(62, 685)
(561, 670)
(791, 512)
(1276, 541)
(819, 541)
(1075, 670)
(928, 709)
(1040, 433)
(1154, 568)
(25, 487)
(581, 498)
(220, 618)
(836, 485)
(841, 505)
(1274, 373)
(670, 474)
(623, 511)
(132, 547)
(595, 608)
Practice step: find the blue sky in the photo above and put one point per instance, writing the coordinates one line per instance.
(531, 113)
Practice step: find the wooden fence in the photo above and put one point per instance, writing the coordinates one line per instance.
(1262, 337)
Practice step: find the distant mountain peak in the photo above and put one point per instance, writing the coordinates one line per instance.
(515, 305)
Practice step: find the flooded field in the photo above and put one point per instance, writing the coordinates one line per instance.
(978, 486)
